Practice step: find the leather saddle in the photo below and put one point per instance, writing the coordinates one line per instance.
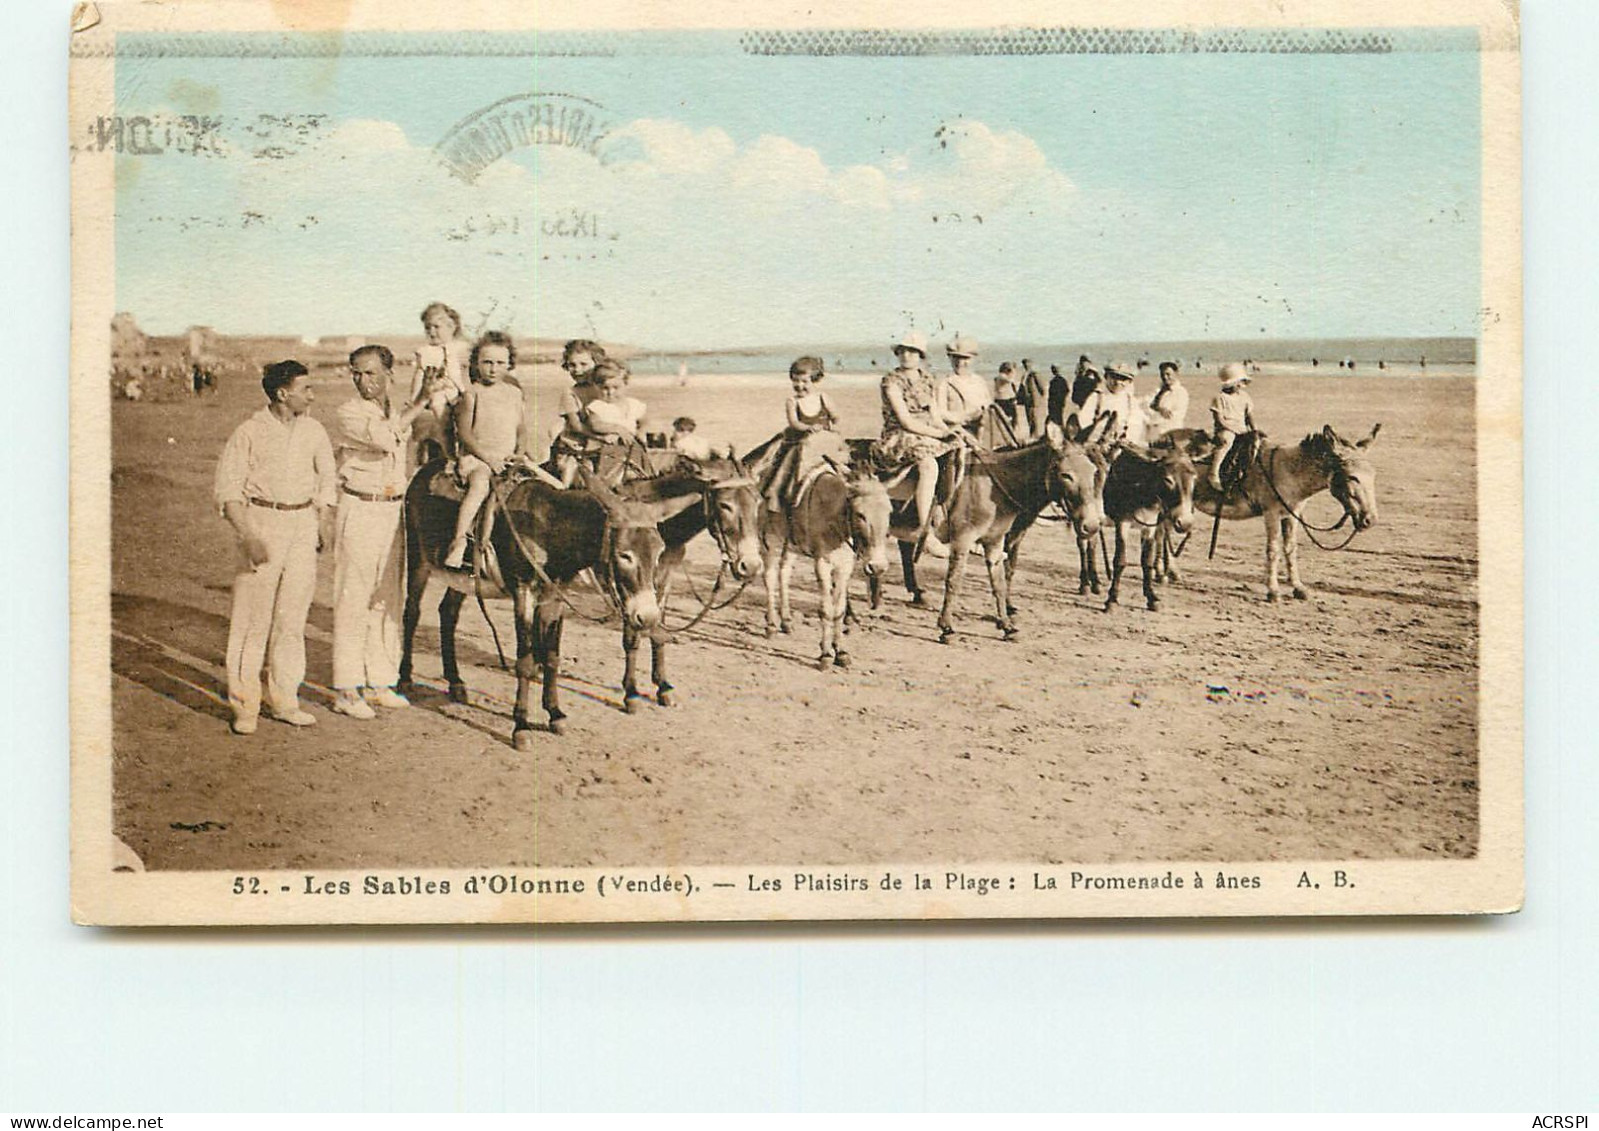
(1244, 452)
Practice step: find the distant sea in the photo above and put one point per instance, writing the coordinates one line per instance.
(1366, 353)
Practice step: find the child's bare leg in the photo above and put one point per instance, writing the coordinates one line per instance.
(477, 490)
(1224, 444)
(926, 489)
(566, 464)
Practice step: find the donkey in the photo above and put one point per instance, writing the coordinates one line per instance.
(542, 539)
(835, 520)
(1153, 491)
(995, 506)
(1277, 485)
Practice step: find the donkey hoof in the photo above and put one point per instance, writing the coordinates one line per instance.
(1173, 577)
(1012, 634)
(1301, 593)
(771, 631)
(1010, 610)
(841, 659)
(824, 661)
(918, 600)
(1111, 603)
(557, 724)
(1272, 595)
(785, 628)
(945, 635)
(1154, 604)
(458, 693)
(665, 698)
(522, 737)
(1082, 589)
(633, 703)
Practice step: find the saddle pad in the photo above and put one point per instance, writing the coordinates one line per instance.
(1238, 460)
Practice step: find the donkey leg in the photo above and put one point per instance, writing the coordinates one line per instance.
(1148, 548)
(843, 568)
(958, 553)
(772, 562)
(449, 616)
(995, 558)
(1085, 564)
(415, 585)
(659, 639)
(1118, 563)
(1273, 548)
(1291, 553)
(907, 561)
(824, 586)
(1013, 549)
(632, 700)
(526, 636)
(548, 619)
(785, 611)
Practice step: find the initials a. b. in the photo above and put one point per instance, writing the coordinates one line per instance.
(1560, 1121)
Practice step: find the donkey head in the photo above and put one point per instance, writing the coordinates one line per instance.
(630, 552)
(733, 516)
(1075, 481)
(870, 515)
(1352, 477)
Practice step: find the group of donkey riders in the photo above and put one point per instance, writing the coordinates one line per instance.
(924, 416)
(289, 490)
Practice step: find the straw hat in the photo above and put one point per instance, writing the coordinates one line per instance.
(961, 346)
(913, 340)
(1118, 371)
(1233, 373)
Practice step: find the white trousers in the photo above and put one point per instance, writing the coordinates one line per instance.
(270, 604)
(368, 573)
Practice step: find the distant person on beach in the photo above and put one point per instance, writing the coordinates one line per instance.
(686, 441)
(491, 432)
(1232, 413)
(276, 485)
(1007, 400)
(1168, 408)
(576, 443)
(439, 376)
(1085, 383)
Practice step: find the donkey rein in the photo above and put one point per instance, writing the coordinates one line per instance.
(1310, 530)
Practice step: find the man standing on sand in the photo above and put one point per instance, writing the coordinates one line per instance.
(1168, 410)
(275, 485)
(368, 562)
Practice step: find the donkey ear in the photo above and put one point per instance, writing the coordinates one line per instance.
(1328, 434)
(591, 482)
(1366, 443)
(1059, 437)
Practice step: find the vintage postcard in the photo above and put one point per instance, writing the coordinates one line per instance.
(619, 462)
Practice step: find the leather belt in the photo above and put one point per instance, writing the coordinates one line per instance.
(278, 506)
(366, 498)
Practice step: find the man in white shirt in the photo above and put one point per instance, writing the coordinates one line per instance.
(275, 484)
(368, 560)
(1168, 409)
(1115, 397)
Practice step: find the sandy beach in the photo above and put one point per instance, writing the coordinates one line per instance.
(1218, 728)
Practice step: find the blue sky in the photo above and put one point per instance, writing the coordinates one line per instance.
(754, 199)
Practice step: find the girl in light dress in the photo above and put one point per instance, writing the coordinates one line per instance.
(440, 377)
